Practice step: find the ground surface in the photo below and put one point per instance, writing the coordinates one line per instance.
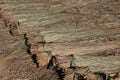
(88, 29)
